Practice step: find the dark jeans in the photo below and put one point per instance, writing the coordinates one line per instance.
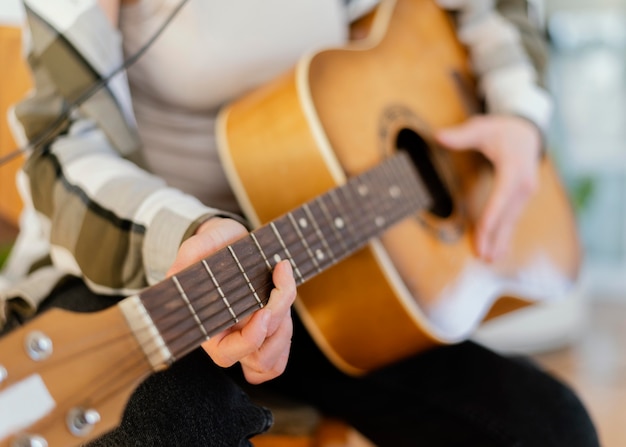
(461, 395)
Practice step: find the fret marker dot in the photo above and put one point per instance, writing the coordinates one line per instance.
(380, 221)
(277, 258)
(339, 223)
(303, 223)
(320, 254)
(363, 190)
(394, 191)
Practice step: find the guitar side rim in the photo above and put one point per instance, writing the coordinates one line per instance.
(422, 334)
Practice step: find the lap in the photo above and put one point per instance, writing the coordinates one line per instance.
(455, 395)
(462, 394)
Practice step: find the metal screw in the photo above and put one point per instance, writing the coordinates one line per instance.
(81, 421)
(38, 345)
(30, 441)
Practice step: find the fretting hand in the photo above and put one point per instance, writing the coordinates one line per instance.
(262, 341)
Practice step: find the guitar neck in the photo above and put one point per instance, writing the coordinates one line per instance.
(217, 292)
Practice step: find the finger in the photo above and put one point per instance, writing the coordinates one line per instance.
(493, 214)
(254, 376)
(241, 340)
(212, 235)
(271, 359)
(468, 135)
(502, 235)
(512, 190)
(282, 296)
(229, 347)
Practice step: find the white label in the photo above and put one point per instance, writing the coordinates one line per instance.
(23, 404)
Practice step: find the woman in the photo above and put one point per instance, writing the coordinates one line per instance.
(137, 166)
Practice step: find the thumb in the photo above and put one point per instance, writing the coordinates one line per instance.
(465, 136)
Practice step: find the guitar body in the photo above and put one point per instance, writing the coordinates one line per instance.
(340, 112)
(332, 163)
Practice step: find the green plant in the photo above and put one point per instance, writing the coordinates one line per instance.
(581, 190)
(5, 249)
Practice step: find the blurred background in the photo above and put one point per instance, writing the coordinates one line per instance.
(583, 338)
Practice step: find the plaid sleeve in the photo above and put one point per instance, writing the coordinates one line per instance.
(107, 219)
(507, 78)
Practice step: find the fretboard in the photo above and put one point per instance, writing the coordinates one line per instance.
(217, 292)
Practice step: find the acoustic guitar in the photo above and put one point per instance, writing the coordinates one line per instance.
(335, 166)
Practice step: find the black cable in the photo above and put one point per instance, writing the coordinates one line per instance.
(42, 138)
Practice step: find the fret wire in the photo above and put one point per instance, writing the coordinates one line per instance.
(177, 324)
(158, 314)
(191, 309)
(405, 182)
(392, 173)
(160, 304)
(185, 348)
(318, 246)
(351, 223)
(286, 250)
(245, 275)
(359, 192)
(386, 208)
(366, 191)
(319, 243)
(169, 321)
(220, 291)
(241, 295)
(259, 277)
(327, 240)
(175, 316)
(422, 198)
(331, 222)
(258, 246)
(242, 292)
(178, 331)
(189, 346)
(396, 179)
(304, 241)
(227, 275)
(319, 232)
(349, 218)
(348, 194)
(306, 272)
(334, 195)
(362, 183)
(200, 310)
(181, 312)
(295, 245)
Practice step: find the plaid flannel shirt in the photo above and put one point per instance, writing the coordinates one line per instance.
(96, 213)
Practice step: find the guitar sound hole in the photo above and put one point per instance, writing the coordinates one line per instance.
(421, 154)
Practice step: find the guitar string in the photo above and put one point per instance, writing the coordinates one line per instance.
(236, 278)
(136, 364)
(138, 361)
(45, 136)
(41, 139)
(244, 296)
(301, 251)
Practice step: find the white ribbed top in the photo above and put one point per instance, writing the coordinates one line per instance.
(212, 52)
